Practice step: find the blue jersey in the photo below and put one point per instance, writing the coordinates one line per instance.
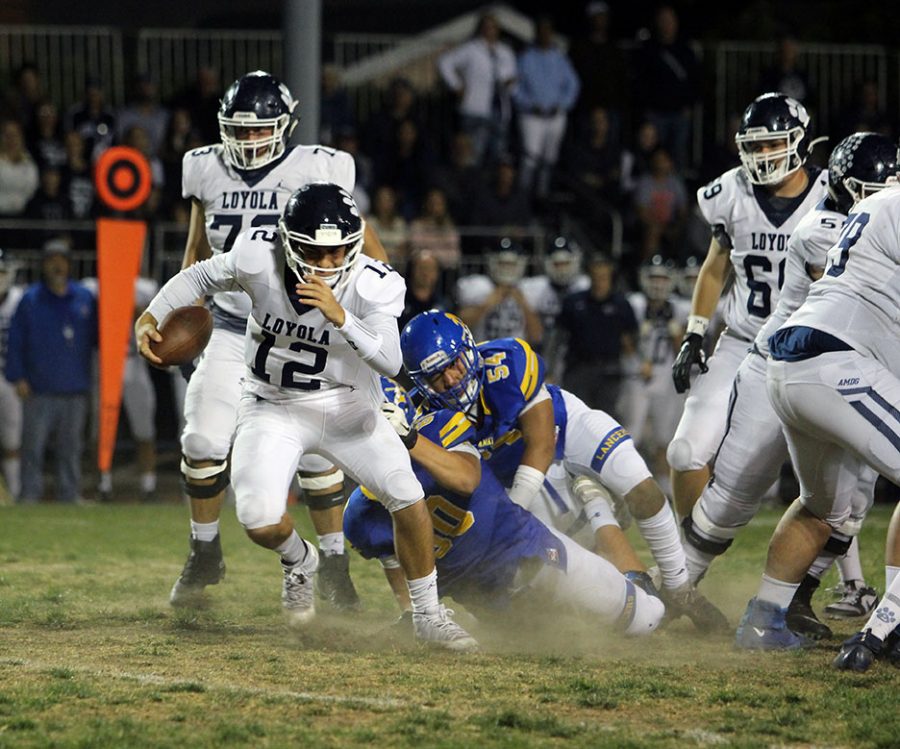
(480, 541)
(395, 393)
(513, 375)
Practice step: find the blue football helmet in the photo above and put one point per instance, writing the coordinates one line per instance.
(433, 341)
(256, 101)
(859, 166)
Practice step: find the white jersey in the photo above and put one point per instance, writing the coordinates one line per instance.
(817, 231)
(7, 309)
(657, 327)
(506, 320)
(858, 298)
(546, 299)
(744, 220)
(236, 201)
(291, 350)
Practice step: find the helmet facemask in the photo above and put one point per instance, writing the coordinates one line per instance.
(859, 189)
(463, 396)
(300, 252)
(770, 167)
(254, 153)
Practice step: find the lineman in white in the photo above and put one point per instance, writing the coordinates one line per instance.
(752, 210)
(242, 185)
(831, 381)
(753, 449)
(322, 327)
(10, 403)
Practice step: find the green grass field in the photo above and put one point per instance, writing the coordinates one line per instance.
(91, 655)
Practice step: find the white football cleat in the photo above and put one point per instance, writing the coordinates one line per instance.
(298, 592)
(438, 629)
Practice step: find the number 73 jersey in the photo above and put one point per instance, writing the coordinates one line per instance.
(237, 201)
(756, 228)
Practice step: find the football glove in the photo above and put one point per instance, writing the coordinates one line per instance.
(690, 353)
(397, 418)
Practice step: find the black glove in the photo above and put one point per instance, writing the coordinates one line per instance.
(691, 352)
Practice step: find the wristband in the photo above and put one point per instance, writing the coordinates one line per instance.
(410, 438)
(697, 324)
(526, 484)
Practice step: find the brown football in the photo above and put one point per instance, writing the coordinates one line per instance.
(185, 333)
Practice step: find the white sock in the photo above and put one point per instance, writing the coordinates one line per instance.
(294, 550)
(884, 618)
(331, 543)
(205, 531)
(661, 534)
(776, 591)
(423, 593)
(12, 473)
(105, 482)
(890, 574)
(148, 482)
(849, 564)
(821, 565)
(697, 562)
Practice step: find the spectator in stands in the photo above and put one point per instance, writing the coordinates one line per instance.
(459, 178)
(347, 140)
(180, 138)
(92, 119)
(594, 161)
(406, 166)
(866, 115)
(501, 201)
(335, 110)
(669, 83)
(493, 305)
(435, 230)
(137, 138)
(399, 105)
(481, 72)
(50, 202)
(786, 75)
(636, 160)
(392, 229)
(722, 156)
(661, 203)
(77, 177)
(50, 350)
(146, 111)
(18, 172)
(423, 286)
(22, 99)
(600, 66)
(201, 99)
(45, 137)
(600, 330)
(545, 91)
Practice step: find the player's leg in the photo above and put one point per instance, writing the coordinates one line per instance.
(322, 486)
(588, 583)
(139, 399)
(892, 550)
(747, 463)
(268, 444)
(210, 409)
(10, 437)
(702, 424)
(878, 637)
(366, 446)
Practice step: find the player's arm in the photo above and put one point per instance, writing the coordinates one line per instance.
(372, 245)
(197, 246)
(539, 435)
(458, 471)
(710, 282)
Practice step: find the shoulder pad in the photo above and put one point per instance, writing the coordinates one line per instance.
(380, 285)
(195, 165)
(716, 200)
(445, 427)
(515, 363)
(473, 289)
(327, 164)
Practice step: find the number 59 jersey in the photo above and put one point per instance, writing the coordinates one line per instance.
(858, 298)
(755, 227)
(235, 201)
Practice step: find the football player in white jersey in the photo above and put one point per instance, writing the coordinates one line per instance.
(753, 449)
(832, 380)
(647, 394)
(322, 327)
(242, 185)
(752, 210)
(10, 403)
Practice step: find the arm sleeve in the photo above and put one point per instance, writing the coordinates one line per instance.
(376, 339)
(216, 274)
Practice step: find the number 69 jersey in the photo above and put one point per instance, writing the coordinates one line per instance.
(290, 349)
(858, 298)
(235, 201)
(755, 227)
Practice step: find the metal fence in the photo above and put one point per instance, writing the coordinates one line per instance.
(66, 56)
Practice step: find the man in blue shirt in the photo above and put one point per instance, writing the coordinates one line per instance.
(51, 341)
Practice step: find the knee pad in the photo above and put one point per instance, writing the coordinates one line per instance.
(678, 455)
(315, 495)
(851, 526)
(704, 535)
(642, 612)
(197, 447)
(838, 543)
(402, 490)
(191, 475)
